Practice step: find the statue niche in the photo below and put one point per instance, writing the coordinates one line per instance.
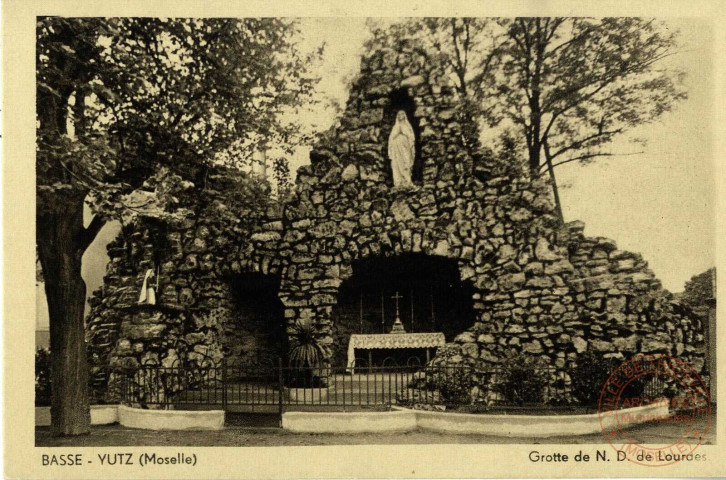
(160, 253)
(403, 139)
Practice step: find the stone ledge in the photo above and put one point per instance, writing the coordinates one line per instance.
(100, 415)
(349, 422)
(538, 426)
(170, 419)
(157, 307)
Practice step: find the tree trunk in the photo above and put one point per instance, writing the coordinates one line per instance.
(536, 52)
(555, 191)
(60, 237)
(534, 159)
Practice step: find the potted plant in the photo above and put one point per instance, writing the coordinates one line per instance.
(307, 375)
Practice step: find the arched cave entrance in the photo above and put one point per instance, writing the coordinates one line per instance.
(254, 333)
(399, 99)
(433, 299)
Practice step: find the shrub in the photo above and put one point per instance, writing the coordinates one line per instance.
(522, 380)
(449, 385)
(454, 385)
(307, 358)
(42, 378)
(590, 375)
(305, 351)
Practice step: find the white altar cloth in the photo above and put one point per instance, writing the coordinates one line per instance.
(392, 340)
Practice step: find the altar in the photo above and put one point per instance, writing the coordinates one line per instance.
(426, 340)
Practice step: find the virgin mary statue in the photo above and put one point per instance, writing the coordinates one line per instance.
(148, 295)
(401, 150)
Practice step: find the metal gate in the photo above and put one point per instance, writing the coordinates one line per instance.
(207, 385)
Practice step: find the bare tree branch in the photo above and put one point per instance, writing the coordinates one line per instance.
(593, 155)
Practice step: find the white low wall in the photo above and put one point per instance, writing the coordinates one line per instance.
(171, 419)
(349, 422)
(100, 415)
(539, 426)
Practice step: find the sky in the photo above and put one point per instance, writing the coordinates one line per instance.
(659, 203)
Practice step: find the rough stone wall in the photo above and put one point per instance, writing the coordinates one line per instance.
(540, 289)
(393, 79)
(346, 208)
(616, 288)
(611, 304)
(195, 319)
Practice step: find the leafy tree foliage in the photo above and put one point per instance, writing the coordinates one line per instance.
(572, 85)
(42, 378)
(143, 104)
(281, 175)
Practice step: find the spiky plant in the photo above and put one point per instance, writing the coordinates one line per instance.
(305, 351)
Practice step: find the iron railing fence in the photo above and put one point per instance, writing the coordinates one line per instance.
(223, 385)
(98, 386)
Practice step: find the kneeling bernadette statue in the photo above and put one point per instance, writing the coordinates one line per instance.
(401, 150)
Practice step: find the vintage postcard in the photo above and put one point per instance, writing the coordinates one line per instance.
(362, 240)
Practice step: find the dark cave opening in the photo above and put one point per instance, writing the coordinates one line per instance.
(256, 333)
(432, 299)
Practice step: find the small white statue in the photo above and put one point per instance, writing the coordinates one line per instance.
(148, 295)
(402, 150)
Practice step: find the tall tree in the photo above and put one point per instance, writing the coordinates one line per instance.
(569, 86)
(142, 104)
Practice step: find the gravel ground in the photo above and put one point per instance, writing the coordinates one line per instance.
(261, 435)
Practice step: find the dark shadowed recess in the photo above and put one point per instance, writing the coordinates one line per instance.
(433, 299)
(256, 333)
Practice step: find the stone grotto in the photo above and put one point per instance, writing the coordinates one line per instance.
(474, 249)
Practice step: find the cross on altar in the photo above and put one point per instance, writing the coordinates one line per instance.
(398, 324)
(397, 297)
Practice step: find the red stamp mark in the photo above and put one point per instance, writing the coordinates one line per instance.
(661, 390)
